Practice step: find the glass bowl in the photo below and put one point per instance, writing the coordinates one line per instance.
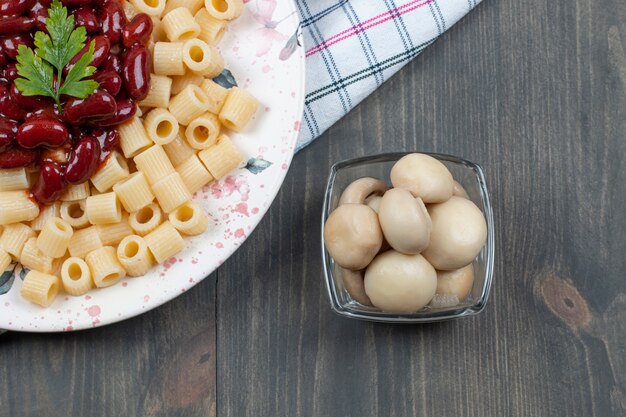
(471, 177)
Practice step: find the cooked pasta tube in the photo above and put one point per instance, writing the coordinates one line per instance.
(105, 268)
(134, 255)
(146, 219)
(189, 219)
(54, 238)
(76, 276)
(164, 242)
(40, 288)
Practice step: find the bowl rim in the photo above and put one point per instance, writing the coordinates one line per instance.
(489, 248)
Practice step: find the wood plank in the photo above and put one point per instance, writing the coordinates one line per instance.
(159, 364)
(535, 92)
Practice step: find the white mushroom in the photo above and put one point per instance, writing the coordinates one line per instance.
(373, 201)
(459, 191)
(353, 283)
(400, 283)
(424, 177)
(352, 235)
(457, 283)
(458, 233)
(404, 221)
(359, 190)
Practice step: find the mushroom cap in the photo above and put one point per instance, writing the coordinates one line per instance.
(353, 283)
(424, 177)
(373, 201)
(457, 282)
(359, 190)
(352, 235)
(459, 191)
(458, 233)
(400, 283)
(405, 221)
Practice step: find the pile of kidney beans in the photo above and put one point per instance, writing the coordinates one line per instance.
(70, 145)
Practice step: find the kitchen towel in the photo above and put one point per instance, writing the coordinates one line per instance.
(353, 46)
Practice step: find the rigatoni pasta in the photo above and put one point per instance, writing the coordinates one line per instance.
(178, 150)
(146, 219)
(179, 82)
(202, 58)
(189, 219)
(164, 242)
(211, 29)
(114, 170)
(168, 58)
(76, 192)
(134, 255)
(76, 276)
(84, 241)
(161, 125)
(113, 233)
(224, 9)
(134, 192)
(74, 213)
(189, 104)
(171, 192)
(202, 132)
(53, 210)
(5, 260)
(238, 109)
(154, 164)
(17, 207)
(103, 209)
(216, 94)
(40, 288)
(160, 92)
(192, 5)
(33, 258)
(179, 25)
(105, 268)
(14, 237)
(133, 137)
(194, 174)
(151, 7)
(14, 179)
(221, 158)
(54, 238)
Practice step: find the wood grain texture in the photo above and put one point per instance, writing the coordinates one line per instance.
(535, 92)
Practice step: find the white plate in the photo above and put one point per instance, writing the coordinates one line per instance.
(262, 51)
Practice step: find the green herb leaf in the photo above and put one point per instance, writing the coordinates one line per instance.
(37, 74)
(53, 51)
(73, 86)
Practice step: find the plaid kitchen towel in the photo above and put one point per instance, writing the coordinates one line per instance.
(352, 47)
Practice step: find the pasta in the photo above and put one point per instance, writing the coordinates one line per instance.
(221, 158)
(224, 9)
(168, 58)
(73, 212)
(192, 5)
(112, 234)
(146, 220)
(40, 288)
(105, 269)
(84, 241)
(114, 170)
(14, 179)
(103, 209)
(160, 92)
(211, 29)
(154, 164)
(202, 58)
(178, 150)
(161, 125)
(203, 131)
(164, 242)
(179, 25)
(134, 192)
(216, 93)
(194, 174)
(179, 82)
(134, 255)
(132, 212)
(238, 109)
(189, 104)
(33, 258)
(171, 192)
(151, 7)
(76, 192)
(189, 219)
(14, 238)
(17, 207)
(52, 210)
(76, 276)
(55, 237)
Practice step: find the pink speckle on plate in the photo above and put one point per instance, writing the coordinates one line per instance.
(94, 311)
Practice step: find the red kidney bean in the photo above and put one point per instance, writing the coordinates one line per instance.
(86, 18)
(126, 109)
(108, 139)
(138, 31)
(8, 129)
(16, 157)
(7, 106)
(99, 105)
(113, 20)
(15, 7)
(11, 43)
(84, 160)
(3, 60)
(136, 72)
(100, 52)
(9, 73)
(39, 12)
(28, 102)
(109, 81)
(75, 3)
(17, 24)
(50, 184)
(48, 112)
(42, 132)
(112, 63)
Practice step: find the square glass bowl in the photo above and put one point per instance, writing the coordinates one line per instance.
(471, 177)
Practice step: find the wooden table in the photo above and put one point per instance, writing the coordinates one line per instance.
(535, 92)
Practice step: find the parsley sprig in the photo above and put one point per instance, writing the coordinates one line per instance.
(54, 50)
